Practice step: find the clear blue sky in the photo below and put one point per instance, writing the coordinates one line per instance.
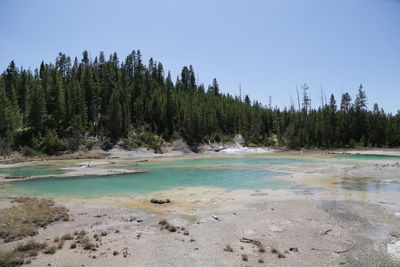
(268, 45)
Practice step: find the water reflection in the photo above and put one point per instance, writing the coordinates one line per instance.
(366, 185)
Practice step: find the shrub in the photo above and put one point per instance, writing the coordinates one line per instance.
(81, 234)
(89, 145)
(143, 139)
(16, 256)
(352, 143)
(50, 250)
(27, 151)
(67, 237)
(10, 259)
(31, 245)
(107, 144)
(33, 253)
(51, 143)
(86, 244)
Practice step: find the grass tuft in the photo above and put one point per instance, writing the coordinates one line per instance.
(67, 237)
(31, 245)
(21, 251)
(50, 250)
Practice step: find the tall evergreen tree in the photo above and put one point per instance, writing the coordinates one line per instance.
(37, 108)
(115, 116)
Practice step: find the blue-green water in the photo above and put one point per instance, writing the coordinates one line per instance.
(230, 173)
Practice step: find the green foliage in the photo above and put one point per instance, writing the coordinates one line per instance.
(143, 139)
(352, 143)
(109, 98)
(37, 108)
(51, 143)
(115, 116)
(89, 145)
(28, 151)
(107, 144)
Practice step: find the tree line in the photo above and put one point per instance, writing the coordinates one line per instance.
(59, 105)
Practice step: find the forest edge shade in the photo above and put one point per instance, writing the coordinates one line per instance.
(57, 107)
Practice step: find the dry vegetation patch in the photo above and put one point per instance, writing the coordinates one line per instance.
(16, 257)
(172, 228)
(27, 216)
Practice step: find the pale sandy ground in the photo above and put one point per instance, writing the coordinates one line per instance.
(327, 230)
(329, 227)
(379, 152)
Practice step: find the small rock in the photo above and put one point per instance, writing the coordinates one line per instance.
(276, 229)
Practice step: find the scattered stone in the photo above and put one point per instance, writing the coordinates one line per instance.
(276, 229)
(395, 234)
(125, 252)
(228, 248)
(325, 232)
(275, 251)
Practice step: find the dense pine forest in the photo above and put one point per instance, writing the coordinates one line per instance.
(71, 105)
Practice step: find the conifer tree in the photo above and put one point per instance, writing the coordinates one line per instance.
(115, 116)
